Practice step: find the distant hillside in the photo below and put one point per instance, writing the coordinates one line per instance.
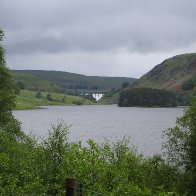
(177, 73)
(57, 80)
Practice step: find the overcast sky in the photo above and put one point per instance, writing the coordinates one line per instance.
(96, 37)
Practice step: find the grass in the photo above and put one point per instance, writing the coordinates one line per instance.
(108, 100)
(27, 100)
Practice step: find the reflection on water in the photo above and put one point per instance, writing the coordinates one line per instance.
(143, 125)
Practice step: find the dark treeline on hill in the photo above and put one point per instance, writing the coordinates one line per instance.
(58, 81)
(147, 97)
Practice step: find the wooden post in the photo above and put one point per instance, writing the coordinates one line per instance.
(70, 187)
(79, 189)
(73, 188)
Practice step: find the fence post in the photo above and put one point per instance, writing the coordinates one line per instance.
(80, 189)
(70, 187)
(73, 188)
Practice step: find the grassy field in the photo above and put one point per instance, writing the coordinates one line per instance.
(27, 100)
(107, 100)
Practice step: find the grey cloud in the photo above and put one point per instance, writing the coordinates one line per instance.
(99, 25)
(96, 37)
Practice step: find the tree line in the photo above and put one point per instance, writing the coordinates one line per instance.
(147, 97)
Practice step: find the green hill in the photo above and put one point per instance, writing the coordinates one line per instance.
(174, 74)
(57, 80)
(28, 100)
(177, 73)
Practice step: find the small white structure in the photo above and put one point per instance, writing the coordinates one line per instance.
(98, 96)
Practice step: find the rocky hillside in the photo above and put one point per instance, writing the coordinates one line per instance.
(177, 73)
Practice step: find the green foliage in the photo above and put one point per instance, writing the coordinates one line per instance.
(19, 169)
(147, 98)
(49, 97)
(184, 99)
(189, 85)
(55, 148)
(40, 168)
(38, 94)
(180, 145)
(2, 59)
(63, 99)
(18, 86)
(7, 94)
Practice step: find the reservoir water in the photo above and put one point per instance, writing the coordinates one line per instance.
(144, 126)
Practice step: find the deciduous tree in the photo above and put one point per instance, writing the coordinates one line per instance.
(180, 145)
(7, 94)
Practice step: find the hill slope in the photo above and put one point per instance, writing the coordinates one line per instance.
(53, 80)
(171, 74)
(28, 100)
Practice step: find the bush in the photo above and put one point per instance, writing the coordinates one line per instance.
(63, 99)
(49, 97)
(7, 93)
(117, 169)
(188, 85)
(38, 94)
(180, 146)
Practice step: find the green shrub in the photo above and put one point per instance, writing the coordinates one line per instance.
(180, 146)
(38, 94)
(40, 168)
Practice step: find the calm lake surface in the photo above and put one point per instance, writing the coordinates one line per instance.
(143, 125)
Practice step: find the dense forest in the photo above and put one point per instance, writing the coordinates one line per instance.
(29, 166)
(147, 97)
